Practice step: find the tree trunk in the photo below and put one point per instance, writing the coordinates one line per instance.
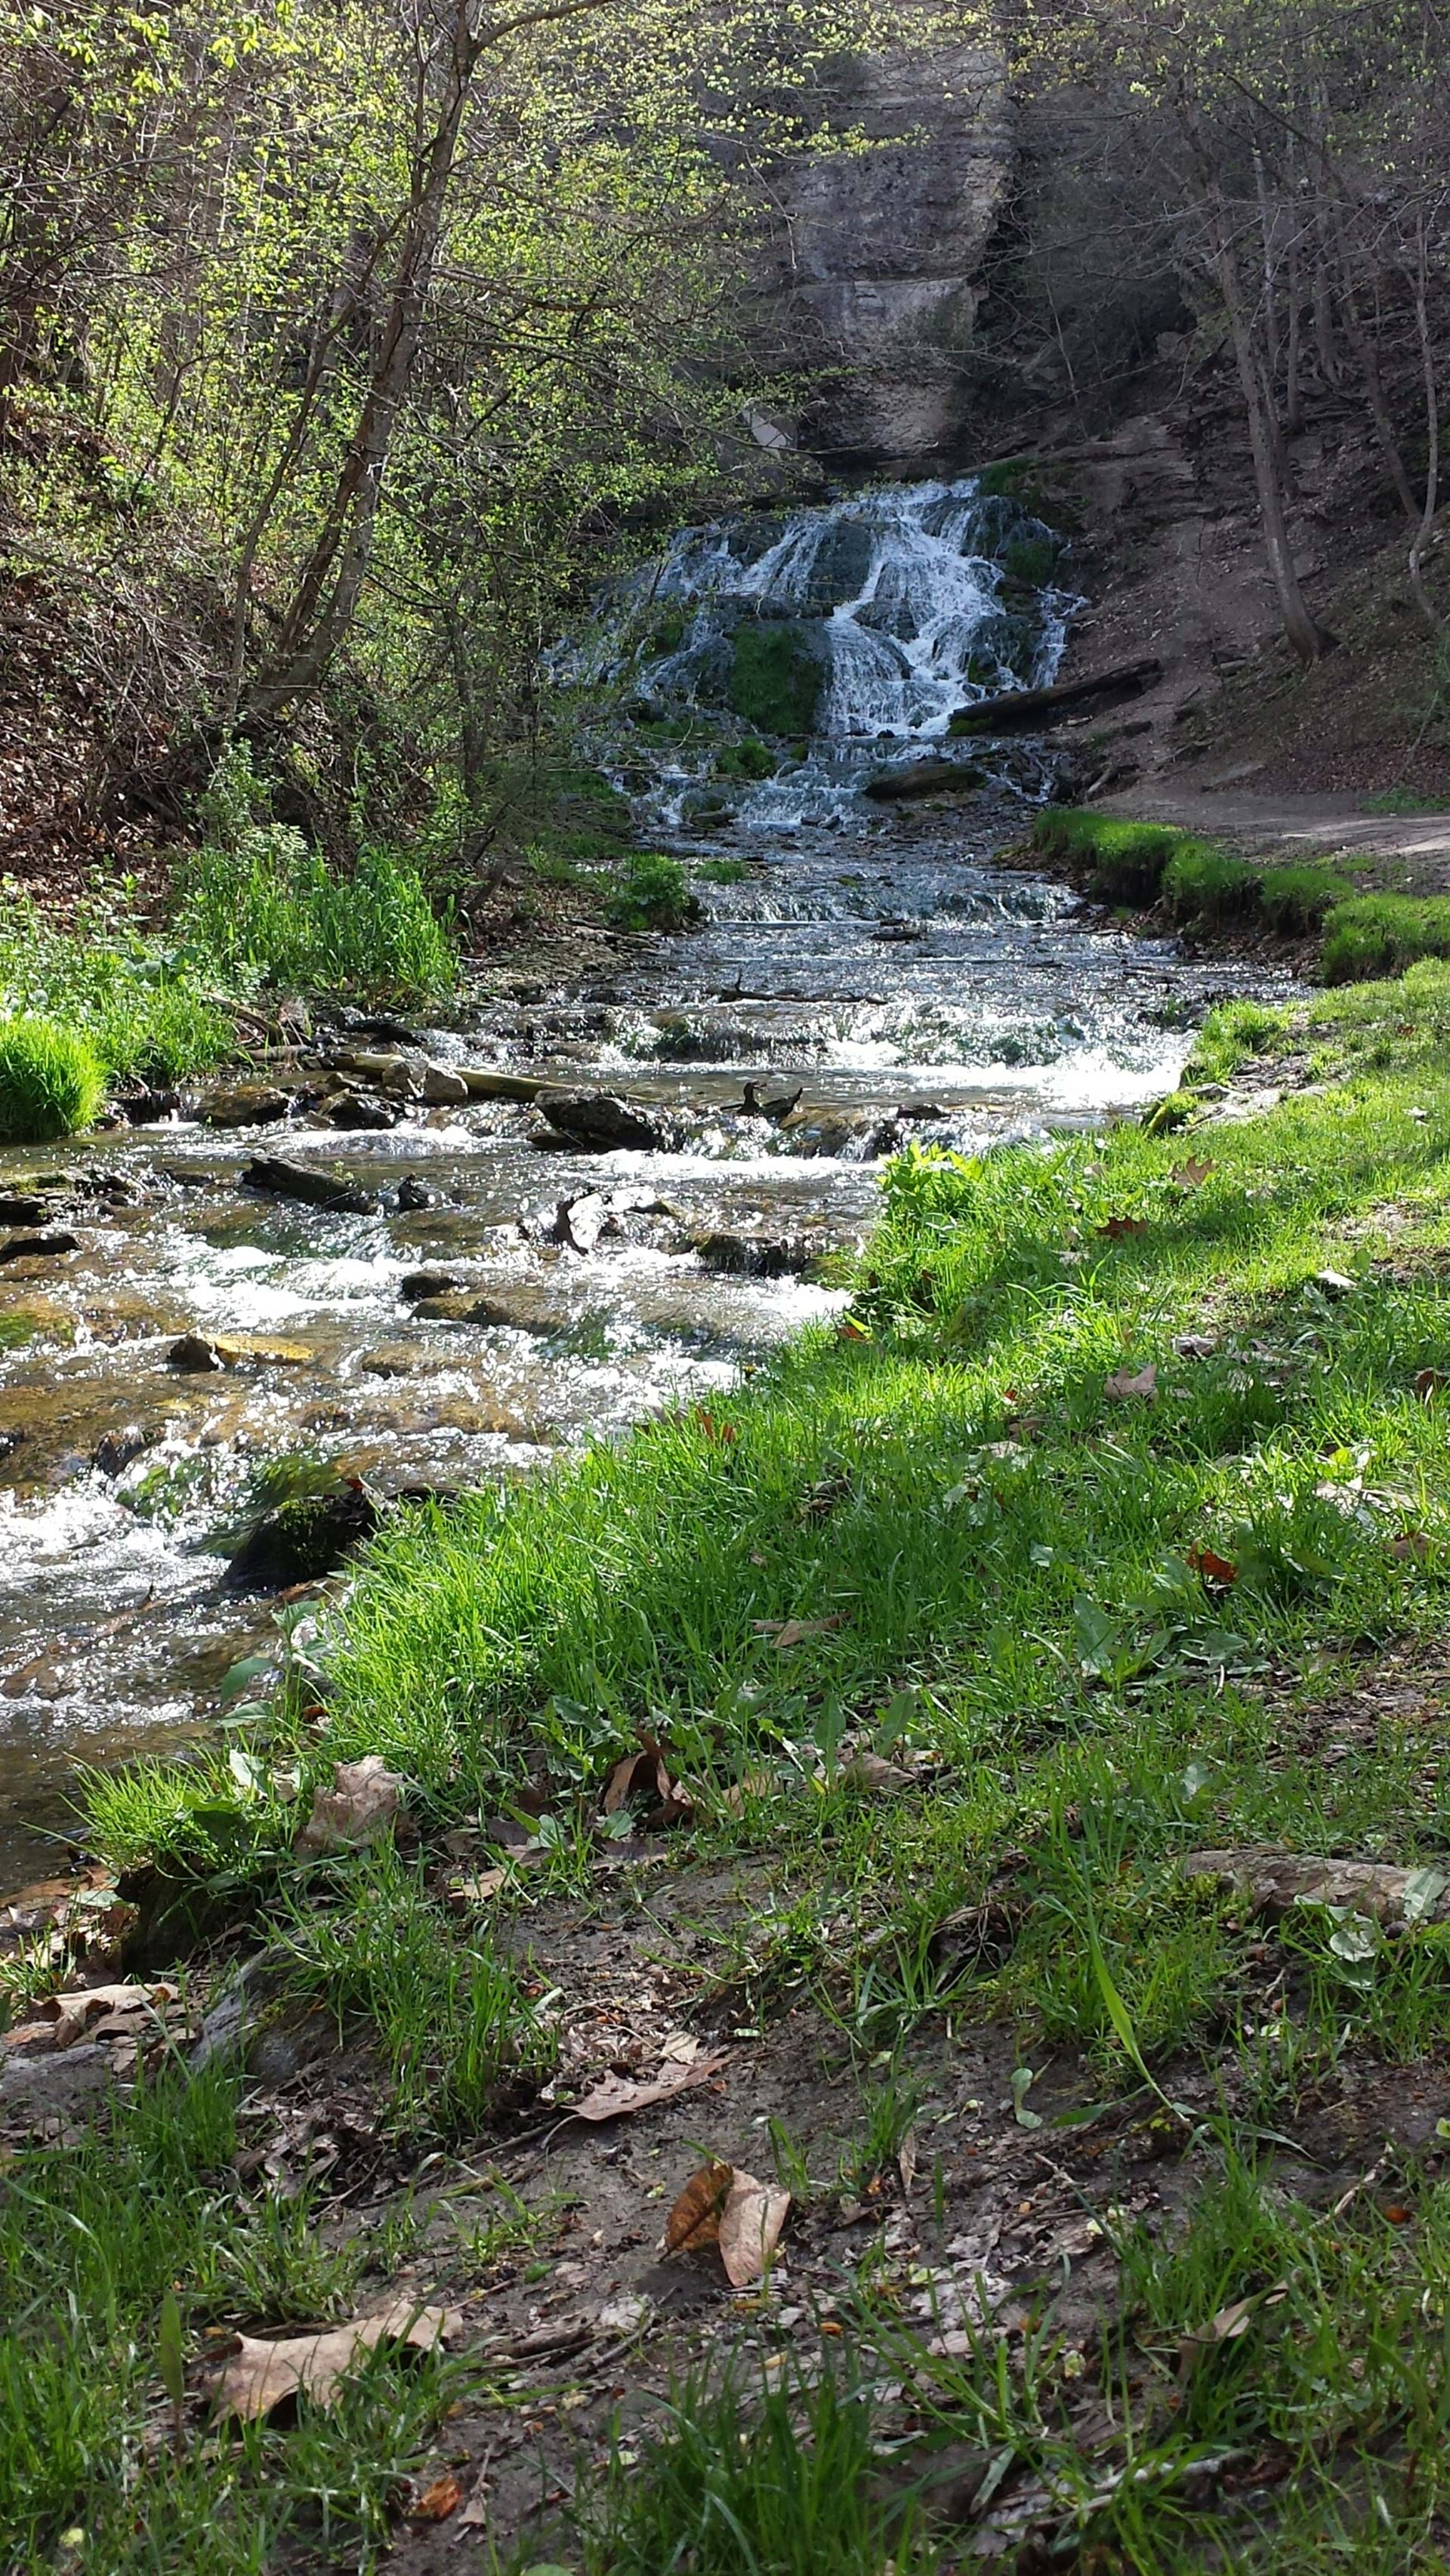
(327, 592)
(1308, 640)
(1420, 289)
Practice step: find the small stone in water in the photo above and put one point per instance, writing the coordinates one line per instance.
(37, 1247)
(412, 1194)
(362, 1109)
(197, 1358)
(116, 1449)
(427, 1283)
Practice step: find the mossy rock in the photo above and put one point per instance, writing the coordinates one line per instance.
(776, 677)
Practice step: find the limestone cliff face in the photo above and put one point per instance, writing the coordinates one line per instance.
(877, 254)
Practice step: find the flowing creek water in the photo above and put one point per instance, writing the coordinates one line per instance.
(498, 1293)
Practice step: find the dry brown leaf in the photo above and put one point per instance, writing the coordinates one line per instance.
(106, 2011)
(694, 2220)
(725, 2206)
(906, 2161)
(867, 1770)
(615, 2097)
(1192, 1174)
(750, 2225)
(1118, 1226)
(1429, 1382)
(1409, 1546)
(363, 1800)
(1214, 1569)
(478, 1889)
(793, 1630)
(260, 2375)
(1124, 1384)
(636, 1771)
(681, 2048)
(442, 2496)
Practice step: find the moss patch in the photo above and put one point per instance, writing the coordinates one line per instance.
(775, 679)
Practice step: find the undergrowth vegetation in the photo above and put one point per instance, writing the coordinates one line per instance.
(1126, 1470)
(51, 1080)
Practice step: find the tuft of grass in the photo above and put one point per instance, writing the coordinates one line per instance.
(1125, 861)
(652, 893)
(1296, 899)
(96, 2237)
(723, 871)
(52, 1082)
(264, 908)
(1374, 935)
(1201, 883)
(776, 2480)
(1406, 800)
(748, 759)
(454, 2026)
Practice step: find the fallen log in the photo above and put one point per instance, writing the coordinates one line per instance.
(1032, 710)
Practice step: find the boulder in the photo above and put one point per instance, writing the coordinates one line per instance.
(302, 1540)
(600, 1122)
(755, 1256)
(282, 1180)
(39, 1247)
(362, 1110)
(443, 1088)
(243, 1104)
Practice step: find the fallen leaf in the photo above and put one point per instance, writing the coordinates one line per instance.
(438, 2500)
(478, 1889)
(102, 2011)
(1232, 2322)
(616, 2097)
(1335, 1283)
(725, 2206)
(1397, 2214)
(724, 1432)
(694, 2219)
(1191, 1175)
(868, 1771)
(680, 2049)
(1429, 1382)
(906, 2161)
(637, 1770)
(1408, 1545)
(363, 1800)
(1214, 1569)
(260, 2375)
(750, 2225)
(1194, 1346)
(791, 1632)
(1127, 1383)
(1118, 1226)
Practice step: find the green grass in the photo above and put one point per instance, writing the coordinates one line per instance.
(149, 1013)
(1029, 1608)
(775, 679)
(1203, 884)
(52, 1081)
(1374, 935)
(746, 760)
(1123, 861)
(262, 907)
(93, 2235)
(1406, 800)
(742, 2480)
(651, 892)
(1294, 900)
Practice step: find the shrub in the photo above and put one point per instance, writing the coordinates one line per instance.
(653, 893)
(1381, 934)
(267, 909)
(144, 1009)
(746, 760)
(1127, 860)
(775, 679)
(1201, 883)
(1297, 899)
(52, 1081)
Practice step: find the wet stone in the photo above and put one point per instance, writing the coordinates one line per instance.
(427, 1283)
(756, 1256)
(301, 1541)
(442, 1089)
(39, 1247)
(279, 1179)
(26, 1211)
(115, 1450)
(195, 1357)
(362, 1110)
(244, 1104)
(414, 1195)
(391, 1359)
(600, 1122)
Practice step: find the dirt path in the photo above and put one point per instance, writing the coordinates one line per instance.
(1411, 850)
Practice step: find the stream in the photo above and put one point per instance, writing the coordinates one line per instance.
(498, 1291)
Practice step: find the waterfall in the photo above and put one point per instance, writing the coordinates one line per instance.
(851, 633)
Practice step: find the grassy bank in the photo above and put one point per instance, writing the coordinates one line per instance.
(1201, 886)
(1128, 1471)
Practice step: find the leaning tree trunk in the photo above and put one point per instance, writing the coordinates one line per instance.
(1420, 290)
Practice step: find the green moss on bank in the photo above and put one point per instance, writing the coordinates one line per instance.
(775, 679)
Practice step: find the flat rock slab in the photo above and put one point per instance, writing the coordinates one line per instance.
(281, 1180)
(600, 1121)
(1275, 1880)
(39, 1247)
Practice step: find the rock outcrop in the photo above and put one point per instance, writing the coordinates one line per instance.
(877, 259)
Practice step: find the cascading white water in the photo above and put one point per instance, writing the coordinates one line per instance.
(906, 604)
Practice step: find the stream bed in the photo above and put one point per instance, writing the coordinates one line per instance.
(498, 1289)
